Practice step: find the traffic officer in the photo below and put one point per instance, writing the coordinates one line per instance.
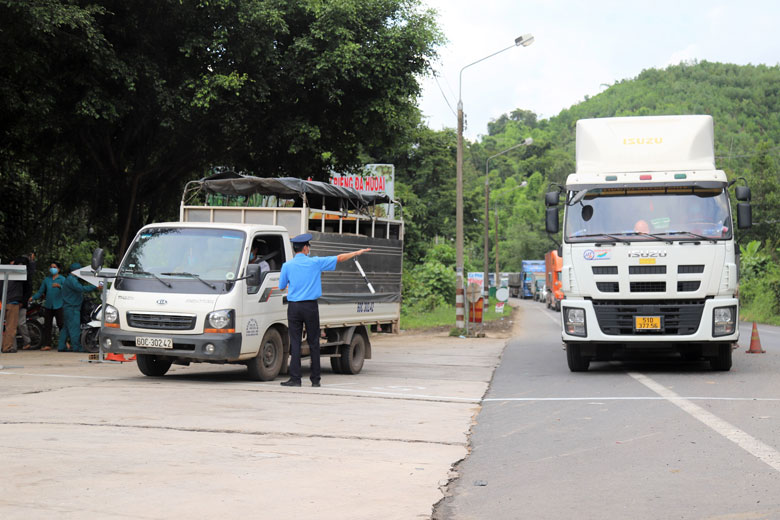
(303, 275)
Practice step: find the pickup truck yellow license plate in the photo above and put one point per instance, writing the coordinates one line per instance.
(154, 342)
(647, 322)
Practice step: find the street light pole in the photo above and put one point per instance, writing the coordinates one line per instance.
(460, 321)
(485, 289)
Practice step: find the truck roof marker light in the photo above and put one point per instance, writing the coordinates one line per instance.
(680, 176)
(611, 177)
(646, 177)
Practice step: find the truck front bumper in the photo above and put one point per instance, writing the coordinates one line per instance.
(226, 347)
(681, 321)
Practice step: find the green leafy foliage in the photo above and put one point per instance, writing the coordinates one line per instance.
(759, 287)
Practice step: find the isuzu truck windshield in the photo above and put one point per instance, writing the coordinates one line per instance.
(664, 213)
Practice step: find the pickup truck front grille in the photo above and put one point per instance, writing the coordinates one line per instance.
(160, 321)
(678, 318)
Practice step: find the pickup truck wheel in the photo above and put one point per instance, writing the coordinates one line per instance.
(268, 362)
(353, 355)
(151, 365)
(577, 362)
(335, 364)
(722, 361)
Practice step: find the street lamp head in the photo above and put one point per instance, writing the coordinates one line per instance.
(524, 40)
(528, 141)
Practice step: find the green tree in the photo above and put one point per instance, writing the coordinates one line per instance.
(119, 103)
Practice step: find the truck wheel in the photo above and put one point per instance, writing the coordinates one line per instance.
(268, 362)
(577, 362)
(722, 361)
(152, 366)
(353, 355)
(335, 364)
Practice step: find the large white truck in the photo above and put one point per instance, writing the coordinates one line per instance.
(649, 255)
(188, 292)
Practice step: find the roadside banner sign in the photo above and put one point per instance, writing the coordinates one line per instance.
(499, 307)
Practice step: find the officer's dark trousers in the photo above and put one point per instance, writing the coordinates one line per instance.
(299, 313)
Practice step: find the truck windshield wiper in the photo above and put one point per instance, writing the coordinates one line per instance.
(594, 235)
(147, 273)
(191, 275)
(654, 236)
(696, 235)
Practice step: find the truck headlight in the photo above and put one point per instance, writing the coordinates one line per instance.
(112, 316)
(724, 320)
(220, 321)
(574, 321)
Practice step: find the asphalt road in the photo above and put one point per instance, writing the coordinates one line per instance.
(638, 439)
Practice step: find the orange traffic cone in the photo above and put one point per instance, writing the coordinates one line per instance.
(755, 342)
(116, 357)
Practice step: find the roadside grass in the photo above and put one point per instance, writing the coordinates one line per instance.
(444, 316)
(754, 311)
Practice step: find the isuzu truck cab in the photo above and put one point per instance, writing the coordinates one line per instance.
(648, 246)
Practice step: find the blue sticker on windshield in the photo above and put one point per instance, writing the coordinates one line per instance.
(241, 237)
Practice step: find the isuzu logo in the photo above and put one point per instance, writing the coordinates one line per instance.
(162, 301)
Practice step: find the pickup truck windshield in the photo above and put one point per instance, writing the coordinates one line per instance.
(646, 214)
(184, 253)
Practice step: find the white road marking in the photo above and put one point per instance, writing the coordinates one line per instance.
(755, 447)
(597, 400)
(58, 375)
(555, 320)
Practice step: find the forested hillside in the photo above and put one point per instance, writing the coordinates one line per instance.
(743, 100)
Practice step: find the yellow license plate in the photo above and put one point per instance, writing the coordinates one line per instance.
(647, 322)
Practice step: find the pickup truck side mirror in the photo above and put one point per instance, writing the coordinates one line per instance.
(253, 275)
(98, 257)
(744, 215)
(551, 220)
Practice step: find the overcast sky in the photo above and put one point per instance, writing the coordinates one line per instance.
(580, 47)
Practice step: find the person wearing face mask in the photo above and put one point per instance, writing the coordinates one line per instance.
(51, 289)
(72, 297)
(303, 275)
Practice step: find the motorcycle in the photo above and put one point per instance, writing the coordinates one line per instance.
(90, 326)
(34, 323)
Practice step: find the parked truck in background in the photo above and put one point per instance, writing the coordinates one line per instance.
(188, 292)
(530, 270)
(649, 255)
(553, 264)
(515, 284)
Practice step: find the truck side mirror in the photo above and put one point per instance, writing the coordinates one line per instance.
(98, 257)
(253, 275)
(551, 198)
(551, 220)
(744, 214)
(743, 193)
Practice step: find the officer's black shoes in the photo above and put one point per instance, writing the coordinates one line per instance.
(290, 382)
(315, 384)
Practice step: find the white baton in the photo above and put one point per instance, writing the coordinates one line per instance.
(370, 287)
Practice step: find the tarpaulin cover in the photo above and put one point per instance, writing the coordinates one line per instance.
(316, 192)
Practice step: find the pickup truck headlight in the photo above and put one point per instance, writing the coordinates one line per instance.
(574, 321)
(112, 317)
(724, 320)
(220, 321)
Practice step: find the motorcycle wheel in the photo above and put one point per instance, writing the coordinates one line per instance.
(90, 340)
(35, 330)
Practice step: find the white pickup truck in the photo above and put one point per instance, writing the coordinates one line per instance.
(186, 292)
